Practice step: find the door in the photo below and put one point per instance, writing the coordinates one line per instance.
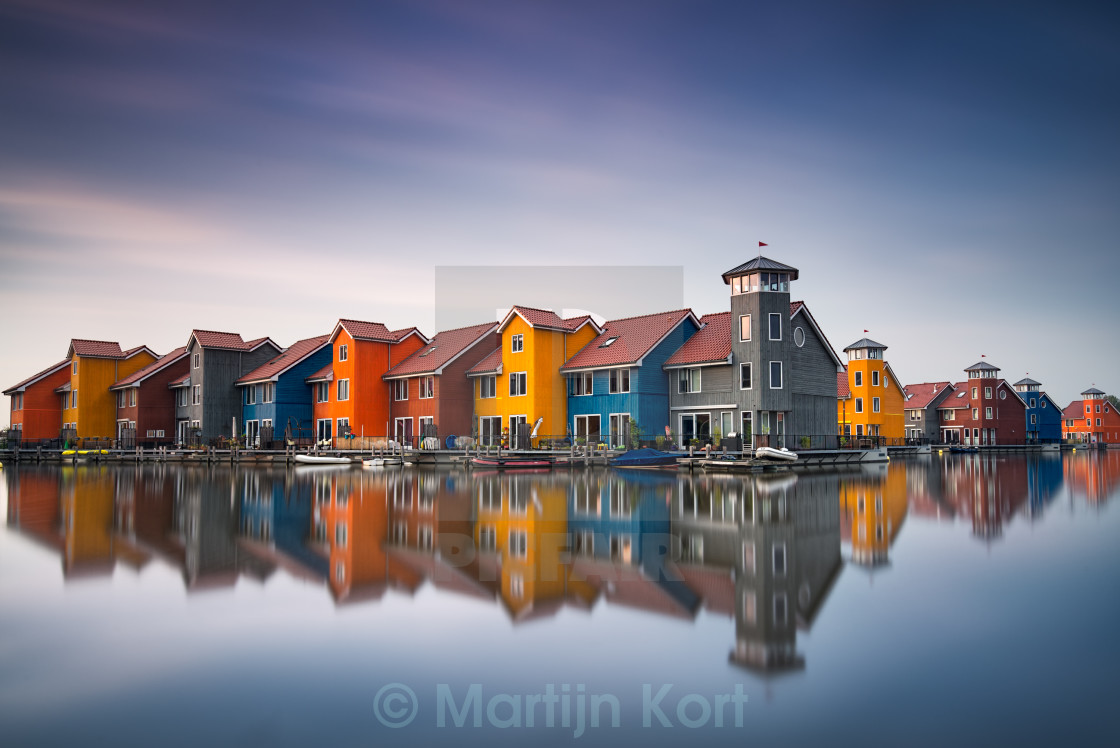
(688, 429)
(518, 432)
(748, 429)
(323, 430)
(252, 434)
(403, 431)
(620, 430)
(589, 428)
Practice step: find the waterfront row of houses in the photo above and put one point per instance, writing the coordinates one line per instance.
(762, 371)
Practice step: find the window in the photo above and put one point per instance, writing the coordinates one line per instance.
(516, 586)
(688, 381)
(343, 390)
(269, 392)
(343, 426)
(74, 369)
(886, 381)
(196, 394)
(799, 337)
(1098, 408)
(607, 343)
(987, 393)
(251, 394)
(1034, 403)
(975, 413)
(487, 538)
(340, 572)
(987, 412)
(744, 327)
(874, 379)
(1098, 422)
(781, 609)
(196, 357)
(619, 381)
(859, 379)
(583, 383)
(427, 425)
(518, 544)
(518, 384)
(427, 388)
(748, 557)
(745, 382)
(322, 392)
(859, 405)
(874, 405)
(343, 352)
(775, 326)
(132, 398)
(340, 534)
(775, 375)
(120, 400)
(181, 397)
(780, 559)
(1044, 405)
(400, 389)
(974, 393)
(516, 343)
(1034, 418)
(487, 386)
(750, 608)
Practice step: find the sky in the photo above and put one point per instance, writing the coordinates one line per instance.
(943, 174)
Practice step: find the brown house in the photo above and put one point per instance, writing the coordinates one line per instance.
(146, 405)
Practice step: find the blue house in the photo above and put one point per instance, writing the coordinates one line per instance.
(1044, 417)
(276, 399)
(617, 379)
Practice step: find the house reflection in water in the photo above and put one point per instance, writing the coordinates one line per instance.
(1093, 475)
(765, 551)
(873, 507)
(988, 488)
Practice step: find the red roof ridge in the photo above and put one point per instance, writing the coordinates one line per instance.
(38, 375)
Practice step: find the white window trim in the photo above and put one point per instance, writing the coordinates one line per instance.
(746, 317)
(749, 365)
(517, 343)
(343, 352)
(770, 327)
(781, 374)
(875, 405)
(519, 375)
(618, 378)
(338, 390)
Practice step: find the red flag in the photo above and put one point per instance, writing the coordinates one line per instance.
(763, 244)
(865, 330)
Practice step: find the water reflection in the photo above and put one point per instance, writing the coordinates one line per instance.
(763, 551)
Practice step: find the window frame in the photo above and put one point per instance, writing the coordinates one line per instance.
(781, 375)
(770, 326)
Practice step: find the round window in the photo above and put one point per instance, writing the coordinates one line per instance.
(799, 336)
(1003, 395)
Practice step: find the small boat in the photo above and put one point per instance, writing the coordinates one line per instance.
(645, 458)
(964, 450)
(374, 462)
(511, 463)
(322, 460)
(769, 453)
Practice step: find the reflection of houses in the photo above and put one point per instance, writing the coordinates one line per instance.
(1093, 476)
(986, 489)
(873, 506)
(1044, 479)
(275, 522)
(765, 552)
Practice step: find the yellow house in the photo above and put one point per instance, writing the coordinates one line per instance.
(89, 409)
(520, 383)
(870, 400)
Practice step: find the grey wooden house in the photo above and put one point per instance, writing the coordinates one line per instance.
(764, 370)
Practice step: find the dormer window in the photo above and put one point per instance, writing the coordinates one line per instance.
(606, 343)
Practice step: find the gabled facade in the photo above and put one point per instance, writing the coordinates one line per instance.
(616, 382)
(1044, 417)
(89, 409)
(922, 401)
(36, 409)
(146, 405)
(765, 370)
(521, 383)
(350, 396)
(276, 399)
(213, 400)
(871, 401)
(984, 411)
(1092, 419)
(431, 393)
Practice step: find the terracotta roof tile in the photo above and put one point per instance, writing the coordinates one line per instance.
(289, 358)
(212, 339)
(440, 350)
(133, 351)
(921, 395)
(1076, 409)
(489, 365)
(399, 335)
(842, 388)
(326, 374)
(367, 330)
(634, 337)
(152, 368)
(250, 345)
(31, 379)
(956, 400)
(181, 382)
(711, 343)
(96, 348)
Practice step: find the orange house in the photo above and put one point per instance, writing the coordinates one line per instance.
(1093, 419)
(36, 408)
(870, 399)
(351, 398)
(89, 409)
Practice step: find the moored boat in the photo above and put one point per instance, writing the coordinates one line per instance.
(769, 453)
(645, 458)
(511, 463)
(322, 460)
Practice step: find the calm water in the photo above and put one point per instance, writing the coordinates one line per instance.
(966, 599)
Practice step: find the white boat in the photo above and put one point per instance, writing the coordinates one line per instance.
(322, 460)
(769, 453)
(375, 462)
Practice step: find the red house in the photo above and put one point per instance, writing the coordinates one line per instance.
(145, 402)
(1093, 419)
(432, 395)
(36, 408)
(985, 410)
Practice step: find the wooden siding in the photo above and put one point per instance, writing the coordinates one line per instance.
(811, 377)
(221, 398)
(96, 414)
(40, 416)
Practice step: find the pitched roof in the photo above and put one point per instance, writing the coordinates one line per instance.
(958, 401)
(96, 348)
(921, 395)
(291, 356)
(492, 364)
(1076, 409)
(843, 391)
(360, 330)
(1027, 381)
(797, 307)
(326, 374)
(444, 348)
(180, 382)
(547, 319)
(864, 343)
(36, 377)
(628, 340)
(983, 366)
(710, 344)
(760, 263)
(152, 368)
